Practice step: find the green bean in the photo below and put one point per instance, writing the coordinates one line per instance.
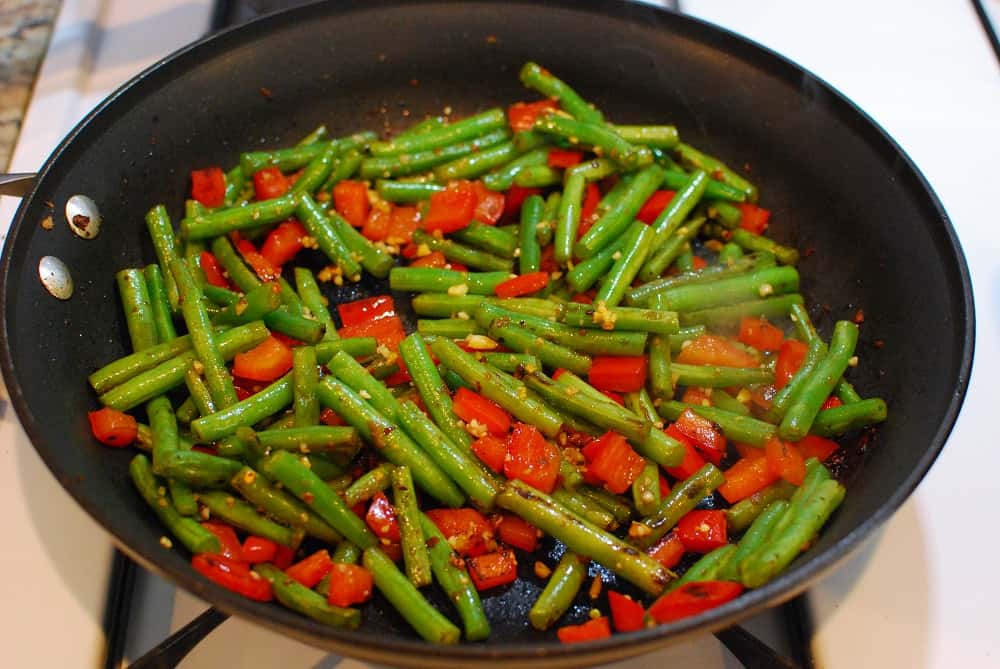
(600, 413)
(616, 220)
(476, 164)
(547, 226)
(339, 443)
(512, 363)
(646, 490)
(301, 599)
(723, 400)
(282, 506)
(160, 303)
(234, 186)
(675, 247)
(753, 540)
(742, 514)
(375, 260)
(316, 172)
(692, 158)
(244, 413)
(187, 530)
(600, 137)
(455, 582)
(683, 498)
(539, 176)
(442, 305)
(713, 376)
(161, 232)
(224, 221)
(641, 404)
(305, 376)
(435, 138)
(350, 371)
(463, 254)
(532, 211)
(585, 509)
(724, 212)
(730, 314)
(432, 389)
(563, 586)
(615, 505)
(428, 622)
(685, 334)
(489, 238)
(293, 158)
(708, 567)
(452, 328)
(568, 216)
(661, 383)
(674, 179)
(837, 421)
(453, 380)
(405, 192)
(722, 292)
(136, 306)
(502, 177)
(743, 429)
(730, 254)
(538, 78)
(653, 136)
(806, 404)
(433, 280)
(429, 123)
(680, 254)
(313, 299)
(253, 306)
(786, 396)
(643, 294)
(296, 477)
(552, 355)
(668, 220)
(318, 134)
(346, 553)
(242, 515)
(638, 238)
(345, 166)
(369, 484)
(586, 273)
(583, 538)
(418, 162)
(415, 556)
(755, 243)
(199, 470)
(330, 243)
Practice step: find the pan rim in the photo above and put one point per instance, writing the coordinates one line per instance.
(790, 583)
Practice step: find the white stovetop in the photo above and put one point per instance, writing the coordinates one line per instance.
(921, 594)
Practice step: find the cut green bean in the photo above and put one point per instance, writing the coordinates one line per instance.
(708, 567)
(369, 484)
(330, 243)
(224, 221)
(729, 316)
(501, 178)
(646, 490)
(713, 376)
(653, 136)
(418, 162)
(415, 555)
(433, 280)
(434, 138)
(281, 506)
(301, 599)
(563, 586)
(186, 530)
(490, 238)
(753, 540)
(675, 247)
(406, 192)
(568, 217)
(601, 138)
(312, 298)
(552, 355)
(463, 254)
(455, 582)
(432, 389)
(638, 239)
(538, 78)
(837, 421)
(694, 159)
(683, 498)
(743, 429)
(305, 376)
(375, 260)
(616, 220)
(137, 308)
(243, 516)
(786, 255)
(742, 514)
(476, 164)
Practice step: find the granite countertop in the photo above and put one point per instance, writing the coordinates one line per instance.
(25, 28)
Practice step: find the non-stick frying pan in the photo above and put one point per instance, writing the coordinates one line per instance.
(840, 189)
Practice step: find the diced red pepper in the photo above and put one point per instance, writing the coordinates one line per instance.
(493, 569)
(614, 397)
(349, 584)
(702, 530)
(491, 451)
(208, 186)
(376, 226)
(468, 532)
(350, 199)
(432, 259)
(694, 395)
(705, 434)
(709, 349)
(698, 263)
(561, 159)
(258, 549)
(451, 209)
(517, 532)
(213, 271)
(329, 417)
(627, 615)
(668, 551)
(656, 203)
(753, 218)
(532, 459)
(693, 598)
(591, 198)
(269, 183)
(785, 461)
(489, 204)
(745, 477)
(312, 569)
(246, 388)
(791, 355)
(592, 630)
(812, 446)
(583, 298)
(262, 267)
(831, 403)
(229, 543)
(613, 461)
(381, 518)
(366, 310)
(692, 461)
(388, 331)
(403, 221)
(516, 197)
(266, 361)
(112, 427)
(470, 406)
(760, 333)
(548, 262)
(284, 242)
(232, 575)
(522, 115)
(284, 558)
(526, 284)
(623, 374)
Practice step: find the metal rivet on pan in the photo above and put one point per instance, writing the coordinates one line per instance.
(55, 276)
(83, 216)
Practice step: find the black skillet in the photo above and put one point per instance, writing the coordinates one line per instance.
(836, 183)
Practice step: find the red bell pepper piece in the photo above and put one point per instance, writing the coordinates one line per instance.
(112, 427)
(388, 331)
(213, 271)
(693, 598)
(284, 558)
(258, 549)
(627, 615)
(312, 569)
(229, 543)
(831, 402)
(270, 183)
(451, 209)
(489, 204)
(350, 199)
(491, 451)
(706, 435)
(703, 530)
(613, 461)
(522, 115)
(747, 476)
(493, 569)
(264, 362)
(583, 298)
(532, 459)
(561, 159)
(468, 532)
(526, 284)
(208, 186)
(232, 575)
(812, 446)
(432, 259)
(591, 198)
(262, 267)
(402, 222)
(376, 226)
(623, 374)
(668, 551)
(592, 630)
(791, 355)
(284, 242)
(760, 334)
(516, 197)
(470, 406)
(614, 397)
(753, 218)
(329, 417)
(715, 350)
(517, 532)
(349, 584)
(697, 396)
(692, 461)
(366, 310)
(381, 518)
(655, 205)
(785, 461)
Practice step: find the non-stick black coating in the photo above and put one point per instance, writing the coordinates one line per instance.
(835, 182)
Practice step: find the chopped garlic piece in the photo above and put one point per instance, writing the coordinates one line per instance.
(458, 290)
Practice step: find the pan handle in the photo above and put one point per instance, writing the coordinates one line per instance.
(18, 184)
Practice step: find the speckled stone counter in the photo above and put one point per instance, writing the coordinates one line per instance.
(25, 27)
